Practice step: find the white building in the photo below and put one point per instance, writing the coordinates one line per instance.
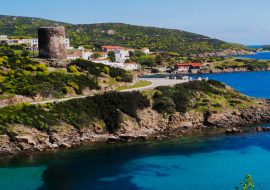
(131, 66)
(116, 65)
(125, 66)
(87, 55)
(79, 54)
(32, 43)
(12, 41)
(145, 50)
(74, 55)
(3, 37)
(121, 56)
(67, 43)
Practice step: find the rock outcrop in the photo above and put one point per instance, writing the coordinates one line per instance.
(149, 126)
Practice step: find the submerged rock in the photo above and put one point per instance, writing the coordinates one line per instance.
(234, 131)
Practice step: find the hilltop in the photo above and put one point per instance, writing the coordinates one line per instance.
(95, 35)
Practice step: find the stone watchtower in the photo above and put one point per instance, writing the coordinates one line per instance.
(51, 42)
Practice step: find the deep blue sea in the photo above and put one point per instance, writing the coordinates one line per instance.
(256, 84)
(259, 56)
(201, 163)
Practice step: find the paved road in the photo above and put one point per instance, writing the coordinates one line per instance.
(156, 82)
(58, 100)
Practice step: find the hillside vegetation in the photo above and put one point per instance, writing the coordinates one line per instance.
(22, 75)
(238, 63)
(95, 35)
(199, 96)
(107, 109)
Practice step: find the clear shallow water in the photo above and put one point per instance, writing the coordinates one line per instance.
(187, 164)
(202, 163)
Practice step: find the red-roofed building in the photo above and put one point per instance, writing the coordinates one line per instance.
(112, 48)
(188, 67)
(107, 49)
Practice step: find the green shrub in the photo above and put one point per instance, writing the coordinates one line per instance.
(217, 105)
(127, 103)
(106, 70)
(46, 85)
(154, 70)
(181, 95)
(164, 105)
(78, 112)
(96, 69)
(217, 84)
(42, 67)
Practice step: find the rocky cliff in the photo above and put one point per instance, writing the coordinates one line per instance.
(234, 114)
(151, 126)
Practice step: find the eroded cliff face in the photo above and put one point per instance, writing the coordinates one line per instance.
(150, 125)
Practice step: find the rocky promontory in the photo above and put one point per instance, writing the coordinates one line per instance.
(129, 117)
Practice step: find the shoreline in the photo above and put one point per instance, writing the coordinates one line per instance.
(151, 128)
(202, 133)
(196, 74)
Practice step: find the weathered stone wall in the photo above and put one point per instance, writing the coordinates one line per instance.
(52, 42)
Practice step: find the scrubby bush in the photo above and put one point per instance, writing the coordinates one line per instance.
(154, 70)
(52, 84)
(30, 115)
(73, 69)
(23, 76)
(204, 86)
(217, 84)
(96, 69)
(78, 112)
(180, 95)
(164, 105)
(42, 67)
(106, 70)
(112, 103)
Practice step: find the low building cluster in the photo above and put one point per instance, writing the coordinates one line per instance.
(122, 55)
(32, 44)
(188, 68)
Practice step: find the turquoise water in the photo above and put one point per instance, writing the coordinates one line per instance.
(188, 164)
(207, 163)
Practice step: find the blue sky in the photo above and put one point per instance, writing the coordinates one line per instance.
(241, 21)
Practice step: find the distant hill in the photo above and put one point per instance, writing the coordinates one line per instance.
(95, 35)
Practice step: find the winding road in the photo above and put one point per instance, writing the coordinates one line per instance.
(156, 82)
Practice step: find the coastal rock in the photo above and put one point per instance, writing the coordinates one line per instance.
(126, 138)
(39, 148)
(99, 129)
(234, 131)
(64, 145)
(26, 139)
(142, 138)
(262, 129)
(54, 138)
(112, 139)
(149, 125)
(54, 146)
(5, 145)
